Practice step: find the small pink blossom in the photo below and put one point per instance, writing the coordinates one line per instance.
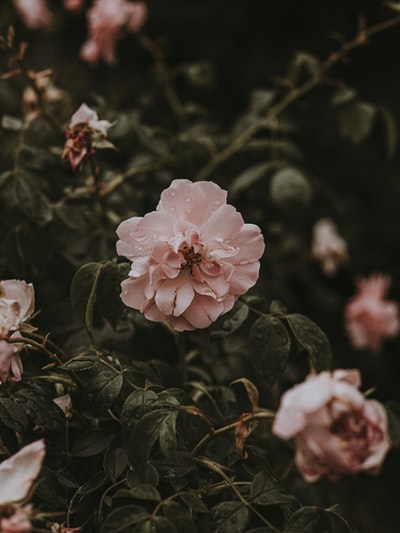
(191, 258)
(65, 404)
(85, 133)
(17, 302)
(328, 247)
(34, 13)
(106, 21)
(73, 5)
(336, 430)
(369, 318)
(18, 522)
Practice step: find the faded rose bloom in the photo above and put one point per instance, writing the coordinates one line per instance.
(336, 430)
(191, 258)
(328, 247)
(369, 318)
(73, 5)
(18, 522)
(85, 133)
(17, 302)
(65, 404)
(34, 13)
(106, 21)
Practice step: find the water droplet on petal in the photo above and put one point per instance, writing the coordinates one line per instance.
(172, 209)
(244, 262)
(172, 193)
(188, 199)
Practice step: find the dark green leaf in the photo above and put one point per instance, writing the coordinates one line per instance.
(84, 292)
(143, 437)
(193, 502)
(114, 463)
(308, 520)
(109, 289)
(157, 524)
(104, 386)
(231, 321)
(136, 405)
(269, 347)
(144, 491)
(230, 516)
(13, 415)
(249, 177)
(94, 483)
(265, 490)
(40, 408)
(356, 120)
(313, 340)
(179, 516)
(122, 519)
(81, 363)
(91, 443)
(32, 201)
(168, 438)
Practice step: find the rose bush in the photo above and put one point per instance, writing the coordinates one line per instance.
(191, 258)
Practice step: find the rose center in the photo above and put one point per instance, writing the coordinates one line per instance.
(191, 256)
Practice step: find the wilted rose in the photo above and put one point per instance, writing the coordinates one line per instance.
(191, 258)
(17, 302)
(336, 430)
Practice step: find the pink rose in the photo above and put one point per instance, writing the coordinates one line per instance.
(191, 258)
(73, 5)
(34, 13)
(369, 318)
(336, 430)
(85, 132)
(18, 522)
(328, 247)
(106, 21)
(17, 302)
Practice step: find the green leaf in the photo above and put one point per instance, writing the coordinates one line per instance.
(265, 490)
(91, 443)
(137, 405)
(143, 437)
(355, 120)
(114, 463)
(248, 178)
(40, 408)
(81, 363)
(97, 481)
(308, 520)
(32, 201)
(109, 288)
(168, 438)
(104, 386)
(157, 524)
(231, 321)
(145, 491)
(84, 292)
(269, 347)
(313, 340)
(193, 502)
(122, 519)
(13, 415)
(230, 516)
(179, 516)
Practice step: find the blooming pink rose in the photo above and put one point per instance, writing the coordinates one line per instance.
(85, 132)
(191, 258)
(73, 5)
(17, 302)
(328, 247)
(106, 21)
(337, 431)
(18, 522)
(34, 13)
(369, 318)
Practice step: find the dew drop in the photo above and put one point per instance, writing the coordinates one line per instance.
(172, 209)
(244, 262)
(172, 193)
(188, 199)
(131, 234)
(217, 202)
(125, 292)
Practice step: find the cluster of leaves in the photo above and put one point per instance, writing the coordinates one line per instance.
(168, 433)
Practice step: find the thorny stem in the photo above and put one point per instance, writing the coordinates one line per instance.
(34, 344)
(49, 342)
(295, 93)
(215, 467)
(259, 415)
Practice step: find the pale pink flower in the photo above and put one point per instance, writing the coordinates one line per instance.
(191, 258)
(85, 133)
(336, 430)
(65, 404)
(369, 318)
(34, 13)
(17, 302)
(328, 247)
(18, 522)
(73, 5)
(106, 21)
